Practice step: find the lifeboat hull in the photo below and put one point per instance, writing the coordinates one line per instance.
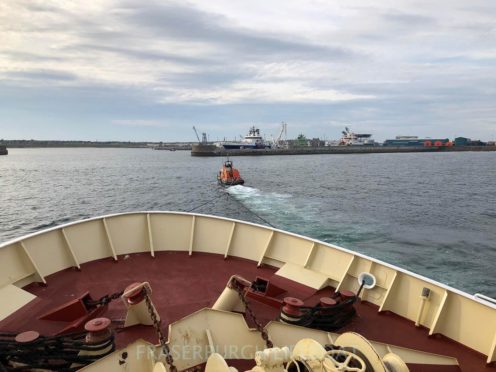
(231, 182)
(229, 176)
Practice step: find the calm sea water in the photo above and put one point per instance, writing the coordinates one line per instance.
(434, 214)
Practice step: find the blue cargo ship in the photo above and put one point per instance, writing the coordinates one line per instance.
(253, 140)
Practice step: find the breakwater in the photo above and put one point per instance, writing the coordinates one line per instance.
(173, 147)
(212, 150)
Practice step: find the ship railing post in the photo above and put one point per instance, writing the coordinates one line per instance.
(150, 235)
(37, 269)
(231, 234)
(388, 291)
(192, 236)
(491, 356)
(439, 311)
(343, 277)
(310, 255)
(109, 238)
(266, 248)
(69, 247)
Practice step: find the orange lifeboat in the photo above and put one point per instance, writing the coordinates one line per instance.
(229, 176)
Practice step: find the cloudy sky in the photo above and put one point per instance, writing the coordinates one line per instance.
(142, 70)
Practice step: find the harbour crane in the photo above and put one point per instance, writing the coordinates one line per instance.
(284, 128)
(204, 136)
(196, 132)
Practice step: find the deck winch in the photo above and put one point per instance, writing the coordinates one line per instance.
(29, 350)
(330, 314)
(350, 352)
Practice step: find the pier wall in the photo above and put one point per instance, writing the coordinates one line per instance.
(211, 150)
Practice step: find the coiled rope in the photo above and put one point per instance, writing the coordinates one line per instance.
(56, 353)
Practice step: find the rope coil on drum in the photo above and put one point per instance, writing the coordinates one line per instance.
(326, 318)
(323, 318)
(57, 353)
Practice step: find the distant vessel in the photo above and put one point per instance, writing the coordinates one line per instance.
(253, 140)
(350, 138)
(229, 176)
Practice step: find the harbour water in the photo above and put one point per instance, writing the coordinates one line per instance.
(432, 213)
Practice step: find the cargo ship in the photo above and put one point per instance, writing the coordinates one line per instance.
(253, 140)
(173, 291)
(350, 138)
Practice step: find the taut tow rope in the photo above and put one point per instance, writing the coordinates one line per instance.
(241, 204)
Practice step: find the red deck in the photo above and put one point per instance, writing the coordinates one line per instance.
(182, 284)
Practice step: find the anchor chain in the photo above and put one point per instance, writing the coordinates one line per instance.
(104, 300)
(161, 337)
(236, 285)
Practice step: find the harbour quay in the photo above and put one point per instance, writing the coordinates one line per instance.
(213, 150)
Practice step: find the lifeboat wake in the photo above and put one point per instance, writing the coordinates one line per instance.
(272, 205)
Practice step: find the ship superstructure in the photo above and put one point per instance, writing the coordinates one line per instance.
(253, 140)
(350, 138)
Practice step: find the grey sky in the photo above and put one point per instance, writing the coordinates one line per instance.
(134, 70)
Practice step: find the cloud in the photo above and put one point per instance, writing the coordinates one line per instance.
(140, 123)
(277, 92)
(142, 54)
(44, 75)
(378, 64)
(406, 20)
(185, 23)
